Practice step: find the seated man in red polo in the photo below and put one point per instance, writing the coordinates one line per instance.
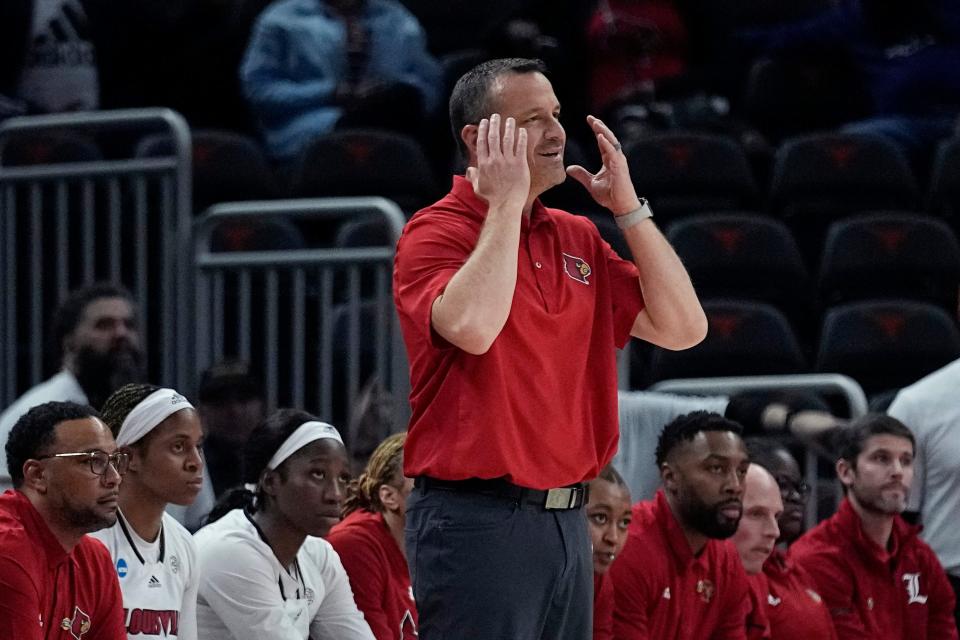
(879, 580)
(55, 581)
(676, 578)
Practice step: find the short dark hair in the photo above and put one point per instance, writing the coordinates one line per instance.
(470, 98)
(763, 451)
(850, 440)
(34, 433)
(68, 314)
(611, 475)
(228, 381)
(685, 428)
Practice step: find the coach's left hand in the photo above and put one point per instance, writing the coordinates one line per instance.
(611, 186)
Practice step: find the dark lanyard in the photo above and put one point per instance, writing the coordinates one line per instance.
(298, 575)
(133, 545)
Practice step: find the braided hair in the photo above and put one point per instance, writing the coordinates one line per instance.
(121, 402)
(383, 468)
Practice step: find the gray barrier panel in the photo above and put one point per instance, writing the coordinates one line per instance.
(814, 382)
(66, 225)
(313, 322)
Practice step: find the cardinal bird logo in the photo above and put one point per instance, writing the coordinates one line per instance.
(576, 268)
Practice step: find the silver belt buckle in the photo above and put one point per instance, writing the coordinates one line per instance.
(562, 498)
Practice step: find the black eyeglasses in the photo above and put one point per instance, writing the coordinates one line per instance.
(789, 485)
(98, 460)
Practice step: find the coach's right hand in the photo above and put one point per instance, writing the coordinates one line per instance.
(502, 176)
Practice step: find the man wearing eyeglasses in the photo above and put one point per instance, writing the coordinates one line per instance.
(55, 581)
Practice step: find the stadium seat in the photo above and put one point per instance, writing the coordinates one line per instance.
(822, 177)
(685, 173)
(943, 197)
(49, 148)
(249, 234)
(890, 255)
(887, 344)
(747, 256)
(366, 162)
(744, 338)
(227, 167)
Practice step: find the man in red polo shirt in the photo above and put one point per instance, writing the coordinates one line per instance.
(55, 581)
(676, 577)
(878, 579)
(510, 312)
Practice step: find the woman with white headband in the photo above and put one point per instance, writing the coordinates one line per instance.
(266, 574)
(155, 557)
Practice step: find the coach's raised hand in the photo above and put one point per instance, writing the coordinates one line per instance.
(502, 176)
(611, 186)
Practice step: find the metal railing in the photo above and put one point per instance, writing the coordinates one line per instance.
(315, 323)
(69, 224)
(813, 382)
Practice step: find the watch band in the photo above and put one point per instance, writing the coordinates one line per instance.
(636, 216)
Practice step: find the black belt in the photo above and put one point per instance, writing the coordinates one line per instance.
(561, 498)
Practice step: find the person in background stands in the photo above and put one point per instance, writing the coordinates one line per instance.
(96, 332)
(369, 541)
(55, 581)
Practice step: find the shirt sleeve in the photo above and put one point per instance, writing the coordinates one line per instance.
(240, 586)
(369, 582)
(626, 294)
(187, 628)
(835, 585)
(429, 254)
(603, 611)
(19, 604)
(942, 601)
(631, 594)
(338, 617)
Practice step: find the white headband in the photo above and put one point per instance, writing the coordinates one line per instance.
(305, 434)
(151, 411)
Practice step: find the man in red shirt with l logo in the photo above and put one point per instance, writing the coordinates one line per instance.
(510, 312)
(878, 579)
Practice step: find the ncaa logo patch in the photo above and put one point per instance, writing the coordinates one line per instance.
(576, 268)
(122, 568)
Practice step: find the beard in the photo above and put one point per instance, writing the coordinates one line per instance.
(708, 519)
(89, 520)
(880, 500)
(100, 374)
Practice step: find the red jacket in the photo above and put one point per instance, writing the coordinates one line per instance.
(378, 574)
(875, 593)
(47, 593)
(602, 607)
(661, 590)
(794, 607)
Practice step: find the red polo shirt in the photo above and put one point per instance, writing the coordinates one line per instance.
(540, 407)
(882, 594)
(794, 608)
(378, 574)
(43, 588)
(758, 627)
(602, 607)
(661, 590)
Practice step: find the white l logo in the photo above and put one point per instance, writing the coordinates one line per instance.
(913, 588)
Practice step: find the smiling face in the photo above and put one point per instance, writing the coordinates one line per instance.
(168, 462)
(310, 486)
(609, 516)
(880, 480)
(704, 481)
(530, 100)
(757, 532)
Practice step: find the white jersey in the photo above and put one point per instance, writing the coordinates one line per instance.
(158, 579)
(245, 594)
